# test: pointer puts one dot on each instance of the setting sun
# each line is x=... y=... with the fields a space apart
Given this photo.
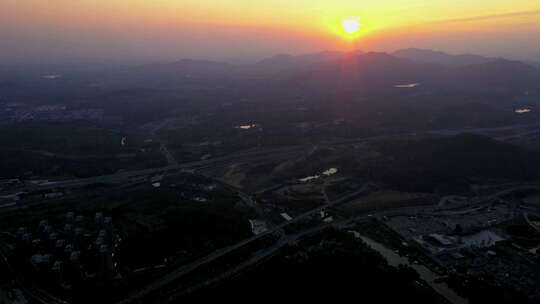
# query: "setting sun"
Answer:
x=351 y=25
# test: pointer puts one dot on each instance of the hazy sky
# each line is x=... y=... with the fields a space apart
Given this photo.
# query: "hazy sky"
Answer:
x=52 y=30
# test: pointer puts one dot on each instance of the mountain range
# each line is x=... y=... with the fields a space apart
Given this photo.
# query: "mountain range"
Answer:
x=356 y=73
x=406 y=69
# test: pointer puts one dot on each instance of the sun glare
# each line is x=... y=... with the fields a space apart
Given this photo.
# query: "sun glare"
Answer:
x=351 y=25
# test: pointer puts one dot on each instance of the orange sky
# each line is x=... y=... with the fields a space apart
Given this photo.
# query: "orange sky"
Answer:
x=236 y=29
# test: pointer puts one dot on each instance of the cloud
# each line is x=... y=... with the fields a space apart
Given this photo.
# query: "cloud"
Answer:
x=491 y=17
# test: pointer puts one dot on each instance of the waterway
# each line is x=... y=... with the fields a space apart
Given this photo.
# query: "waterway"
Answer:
x=425 y=273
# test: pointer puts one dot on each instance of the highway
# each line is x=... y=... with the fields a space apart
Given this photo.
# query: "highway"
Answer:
x=183 y=270
x=188 y=268
x=244 y=156
x=171 y=161
x=124 y=176
x=258 y=257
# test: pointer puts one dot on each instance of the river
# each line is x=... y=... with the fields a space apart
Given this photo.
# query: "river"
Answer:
x=425 y=273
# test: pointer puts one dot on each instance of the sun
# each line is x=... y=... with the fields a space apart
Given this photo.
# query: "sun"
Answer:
x=351 y=25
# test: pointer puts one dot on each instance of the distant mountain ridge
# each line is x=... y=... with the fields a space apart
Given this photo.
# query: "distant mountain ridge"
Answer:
x=381 y=72
x=495 y=75
x=533 y=63
x=445 y=59
x=286 y=63
x=367 y=71
x=356 y=72
x=437 y=57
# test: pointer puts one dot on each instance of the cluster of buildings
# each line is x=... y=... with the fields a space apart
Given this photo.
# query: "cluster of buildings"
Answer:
x=56 y=114
x=453 y=231
x=18 y=112
x=475 y=242
x=72 y=251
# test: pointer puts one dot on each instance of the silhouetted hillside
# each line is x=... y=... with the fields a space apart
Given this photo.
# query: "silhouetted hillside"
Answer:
x=367 y=72
x=380 y=73
x=436 y=57
x=496 y=76
x=428 y=164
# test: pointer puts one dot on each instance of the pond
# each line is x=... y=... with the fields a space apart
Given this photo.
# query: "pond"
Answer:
x=246 y=127
x=407 y=86
x=522 y=110
x=328 y=172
